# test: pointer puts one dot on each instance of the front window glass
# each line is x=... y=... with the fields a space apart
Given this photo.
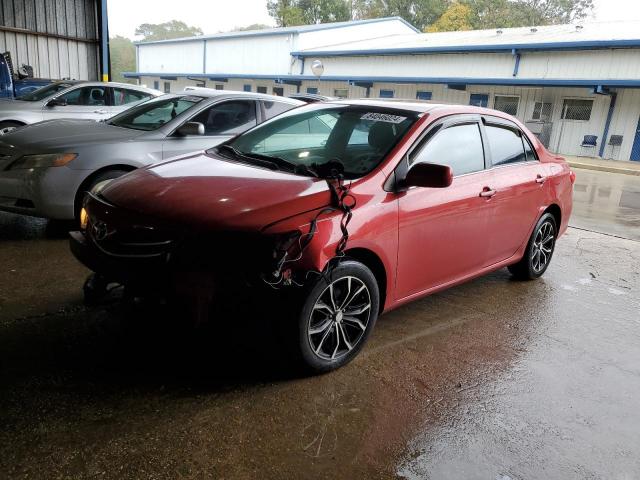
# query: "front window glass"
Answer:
x=228 y=117
x=359 y=138
x=152 y=114
x=44 y=92
x=85 y=96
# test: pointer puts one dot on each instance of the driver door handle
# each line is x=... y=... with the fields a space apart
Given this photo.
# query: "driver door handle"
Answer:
x=540 y=179
x=101 y=111
x=487 y=192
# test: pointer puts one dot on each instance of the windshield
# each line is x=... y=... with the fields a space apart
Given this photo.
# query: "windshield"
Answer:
x=358 y=137
x=153 y=114
x=44 y=92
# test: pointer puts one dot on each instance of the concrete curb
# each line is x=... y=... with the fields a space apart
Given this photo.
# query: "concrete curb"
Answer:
x=605 y=168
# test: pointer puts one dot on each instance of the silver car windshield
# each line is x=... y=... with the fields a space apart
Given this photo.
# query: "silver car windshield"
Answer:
x=44 y=92
x=153 y=114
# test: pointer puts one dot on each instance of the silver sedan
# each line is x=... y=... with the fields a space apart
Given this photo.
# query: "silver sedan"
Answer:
x=72 y=99
x=47 y=168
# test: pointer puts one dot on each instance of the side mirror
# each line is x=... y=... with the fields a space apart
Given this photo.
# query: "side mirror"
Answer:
x=191 y=128
x=429 y=175
x=57 y=102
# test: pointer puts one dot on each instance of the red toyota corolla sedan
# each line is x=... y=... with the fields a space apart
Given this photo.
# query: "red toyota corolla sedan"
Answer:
x=340 y=211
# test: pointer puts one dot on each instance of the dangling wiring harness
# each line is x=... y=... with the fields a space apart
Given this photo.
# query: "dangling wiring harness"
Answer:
x=341 y=200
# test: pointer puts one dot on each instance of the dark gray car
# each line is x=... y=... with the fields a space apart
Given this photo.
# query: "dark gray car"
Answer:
x=46 y=168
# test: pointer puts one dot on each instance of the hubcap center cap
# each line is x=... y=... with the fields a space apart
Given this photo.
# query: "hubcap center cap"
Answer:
x=338 y=316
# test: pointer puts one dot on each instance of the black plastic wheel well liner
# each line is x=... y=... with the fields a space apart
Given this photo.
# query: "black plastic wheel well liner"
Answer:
x=373 y=263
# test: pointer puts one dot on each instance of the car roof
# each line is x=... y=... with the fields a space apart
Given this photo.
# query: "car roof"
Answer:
x=111 y=84
x=212 y=93
x=422 y=106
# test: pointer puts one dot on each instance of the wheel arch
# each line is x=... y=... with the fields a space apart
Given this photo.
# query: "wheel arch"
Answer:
x=11 y=120
x=87 y=181
x=374 y=263
x=554 y=210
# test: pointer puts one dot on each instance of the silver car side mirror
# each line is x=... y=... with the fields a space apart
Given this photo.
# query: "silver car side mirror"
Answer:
x=191 y=128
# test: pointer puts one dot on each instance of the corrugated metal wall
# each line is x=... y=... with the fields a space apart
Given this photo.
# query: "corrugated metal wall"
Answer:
x=58 y=38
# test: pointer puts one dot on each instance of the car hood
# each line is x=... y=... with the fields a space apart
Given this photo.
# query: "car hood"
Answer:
x=61 y=134
x=207 y=192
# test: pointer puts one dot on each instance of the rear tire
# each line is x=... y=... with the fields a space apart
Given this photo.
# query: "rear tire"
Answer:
x=335 y=317
x=7 y=127
x=539 y=251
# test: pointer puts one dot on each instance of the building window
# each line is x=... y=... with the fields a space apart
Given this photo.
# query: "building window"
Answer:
x=386 y=93
x=542 y=111
x=246 y=87
x=156 y=84
x=312 y=90
x=219 y=86
x=261 y=89
x=506 y=104
x=422 y=95
x=341 y=92
x=278 y=91
x=574 y=109
x=479 y=99
x=167 y=87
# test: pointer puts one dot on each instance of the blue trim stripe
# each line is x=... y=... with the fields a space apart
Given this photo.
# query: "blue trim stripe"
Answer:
x=527 y=82
x=281 y=31
x=488 y=48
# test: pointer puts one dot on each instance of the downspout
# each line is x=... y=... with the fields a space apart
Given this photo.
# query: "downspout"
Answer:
x=607 y=123
x=516 y=67
x=105 y=69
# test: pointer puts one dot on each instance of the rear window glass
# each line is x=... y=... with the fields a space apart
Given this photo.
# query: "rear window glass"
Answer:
x=153 y=114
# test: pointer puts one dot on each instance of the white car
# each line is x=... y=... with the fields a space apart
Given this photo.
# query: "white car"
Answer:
x=72 y=99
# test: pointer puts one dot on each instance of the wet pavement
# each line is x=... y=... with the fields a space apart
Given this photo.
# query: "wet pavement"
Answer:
x=494 y=379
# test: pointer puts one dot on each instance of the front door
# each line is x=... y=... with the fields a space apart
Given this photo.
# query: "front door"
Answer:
x=635 y=151
x=442 y=231
x=88 y=102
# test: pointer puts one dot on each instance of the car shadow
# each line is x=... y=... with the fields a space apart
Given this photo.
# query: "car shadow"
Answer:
x=22 y=227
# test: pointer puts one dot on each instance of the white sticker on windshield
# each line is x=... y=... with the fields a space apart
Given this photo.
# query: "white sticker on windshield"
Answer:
x=383 y=117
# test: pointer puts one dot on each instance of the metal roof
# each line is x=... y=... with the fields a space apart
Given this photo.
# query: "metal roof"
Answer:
x=280 y=30
x=552 y=37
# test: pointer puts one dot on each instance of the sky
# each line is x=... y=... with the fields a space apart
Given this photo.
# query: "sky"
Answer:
x=214 y=16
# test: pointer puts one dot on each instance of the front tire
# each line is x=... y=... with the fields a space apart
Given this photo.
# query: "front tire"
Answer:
x=104 y=176
x=337 y=314
x=8 y=127
x=539 y=251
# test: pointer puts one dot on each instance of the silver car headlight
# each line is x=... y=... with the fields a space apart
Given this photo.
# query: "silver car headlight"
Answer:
x=42 y=160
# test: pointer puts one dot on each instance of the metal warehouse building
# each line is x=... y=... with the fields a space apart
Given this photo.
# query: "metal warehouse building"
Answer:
x=576 y=86
x=59 y=38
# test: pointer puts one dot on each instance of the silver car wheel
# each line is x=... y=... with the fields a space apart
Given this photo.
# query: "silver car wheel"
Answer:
x=339 y=318
x=543 y=244
x=7 y=130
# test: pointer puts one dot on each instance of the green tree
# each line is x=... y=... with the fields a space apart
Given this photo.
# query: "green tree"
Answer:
x=420 y=13
x=123 y=58
x=253 y=26
x=286 y=13
x=166 y=31
x=457 y=17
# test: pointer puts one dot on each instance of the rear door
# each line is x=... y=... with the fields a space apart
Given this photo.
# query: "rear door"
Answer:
x=221 y=121
x=88 y=102
x=442 y=231
x=520 y=182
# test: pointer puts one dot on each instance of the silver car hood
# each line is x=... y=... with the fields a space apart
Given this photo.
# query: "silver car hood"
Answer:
x=56 y=135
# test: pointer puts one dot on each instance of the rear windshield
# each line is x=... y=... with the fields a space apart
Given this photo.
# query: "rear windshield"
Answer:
x=153 y=114
x=359 y=137
x=44 y=92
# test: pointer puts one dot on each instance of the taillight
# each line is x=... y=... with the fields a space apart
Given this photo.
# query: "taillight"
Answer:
x=572 y=176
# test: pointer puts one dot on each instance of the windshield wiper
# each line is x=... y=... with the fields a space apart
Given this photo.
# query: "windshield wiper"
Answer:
x=238 y=154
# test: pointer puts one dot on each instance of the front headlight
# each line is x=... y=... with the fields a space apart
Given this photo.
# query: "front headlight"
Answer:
x=84 y=218
x=42 y=160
